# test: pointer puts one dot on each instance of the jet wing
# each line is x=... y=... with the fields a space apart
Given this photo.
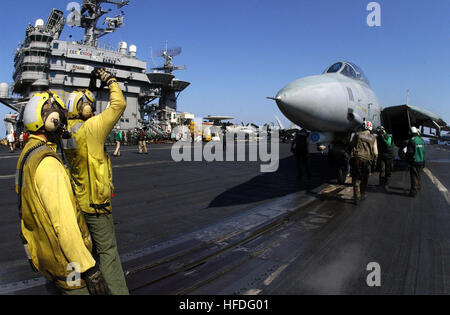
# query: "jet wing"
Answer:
x=398 y=119
x=426 y=118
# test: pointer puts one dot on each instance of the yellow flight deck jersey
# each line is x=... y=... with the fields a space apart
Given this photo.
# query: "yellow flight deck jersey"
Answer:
x=89 y=163
x=52 y=225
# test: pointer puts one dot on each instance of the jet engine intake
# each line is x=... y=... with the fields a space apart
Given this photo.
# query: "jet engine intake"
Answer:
x=354 y=117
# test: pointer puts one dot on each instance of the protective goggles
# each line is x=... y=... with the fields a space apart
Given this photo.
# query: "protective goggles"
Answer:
x=88 y=97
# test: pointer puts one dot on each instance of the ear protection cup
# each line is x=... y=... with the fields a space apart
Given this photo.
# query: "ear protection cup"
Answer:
x=76 y=102
x=86 y=111
x=45 y=111
x=52 y=122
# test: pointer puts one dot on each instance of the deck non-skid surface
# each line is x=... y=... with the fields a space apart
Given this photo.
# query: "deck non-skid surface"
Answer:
x=227 y=228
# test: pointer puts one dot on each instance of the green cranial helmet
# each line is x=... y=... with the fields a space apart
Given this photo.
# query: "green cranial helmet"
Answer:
x=381 y=130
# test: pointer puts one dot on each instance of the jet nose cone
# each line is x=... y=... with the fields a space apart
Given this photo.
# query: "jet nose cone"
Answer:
x=295 y=96
x=310 y=101
x=285 y=99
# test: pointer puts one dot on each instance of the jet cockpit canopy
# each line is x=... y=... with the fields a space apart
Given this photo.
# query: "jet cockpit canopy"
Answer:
x=348 y=69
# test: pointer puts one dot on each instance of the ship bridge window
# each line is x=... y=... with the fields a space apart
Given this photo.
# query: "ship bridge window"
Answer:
x=334 y=68
x=37 y=38
x=35 y=68
x=36 y=53
x=41 y=38
x=55 y=45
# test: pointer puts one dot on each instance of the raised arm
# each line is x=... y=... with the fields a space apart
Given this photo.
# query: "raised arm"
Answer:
x=101 y=125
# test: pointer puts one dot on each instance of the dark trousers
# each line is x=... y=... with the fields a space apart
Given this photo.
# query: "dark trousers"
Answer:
x=386 y=167
x=360 y=171
x=302 y=162
x=415 y=172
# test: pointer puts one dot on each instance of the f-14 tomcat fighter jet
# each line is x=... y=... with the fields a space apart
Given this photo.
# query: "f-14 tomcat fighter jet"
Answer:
x=336 y=103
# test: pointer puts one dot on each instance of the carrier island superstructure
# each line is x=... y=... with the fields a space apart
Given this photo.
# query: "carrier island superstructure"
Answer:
x=45 y=62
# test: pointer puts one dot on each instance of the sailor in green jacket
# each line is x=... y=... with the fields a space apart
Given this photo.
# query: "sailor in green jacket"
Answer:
x=415 y=156
x=118 y=139
x=91 y=172
x=386 y=156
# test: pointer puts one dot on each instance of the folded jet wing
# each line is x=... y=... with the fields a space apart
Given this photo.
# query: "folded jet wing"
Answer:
x=398 y=120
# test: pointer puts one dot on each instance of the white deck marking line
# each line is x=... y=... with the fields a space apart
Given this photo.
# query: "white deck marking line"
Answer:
x=275 y=274
x=114 y=166
x=10 y=157
x=438 y=184
x=7 y=176
x=142 y=164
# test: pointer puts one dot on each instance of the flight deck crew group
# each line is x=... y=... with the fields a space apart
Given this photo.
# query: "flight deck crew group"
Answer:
x=365 y=150
x=66 y=222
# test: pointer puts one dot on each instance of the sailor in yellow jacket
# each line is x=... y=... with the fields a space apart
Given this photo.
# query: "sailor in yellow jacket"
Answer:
x=53 y=230
x=91 y=171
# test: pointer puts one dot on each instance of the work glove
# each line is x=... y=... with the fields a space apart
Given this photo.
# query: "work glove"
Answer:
x=95 y=282
x=103 y=75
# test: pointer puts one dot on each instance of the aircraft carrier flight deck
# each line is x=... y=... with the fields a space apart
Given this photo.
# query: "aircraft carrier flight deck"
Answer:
x=225 y=228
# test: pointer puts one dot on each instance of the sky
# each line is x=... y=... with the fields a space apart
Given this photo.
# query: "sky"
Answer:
x=238 y=52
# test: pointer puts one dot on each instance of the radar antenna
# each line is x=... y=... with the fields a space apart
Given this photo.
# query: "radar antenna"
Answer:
x=168 y=54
